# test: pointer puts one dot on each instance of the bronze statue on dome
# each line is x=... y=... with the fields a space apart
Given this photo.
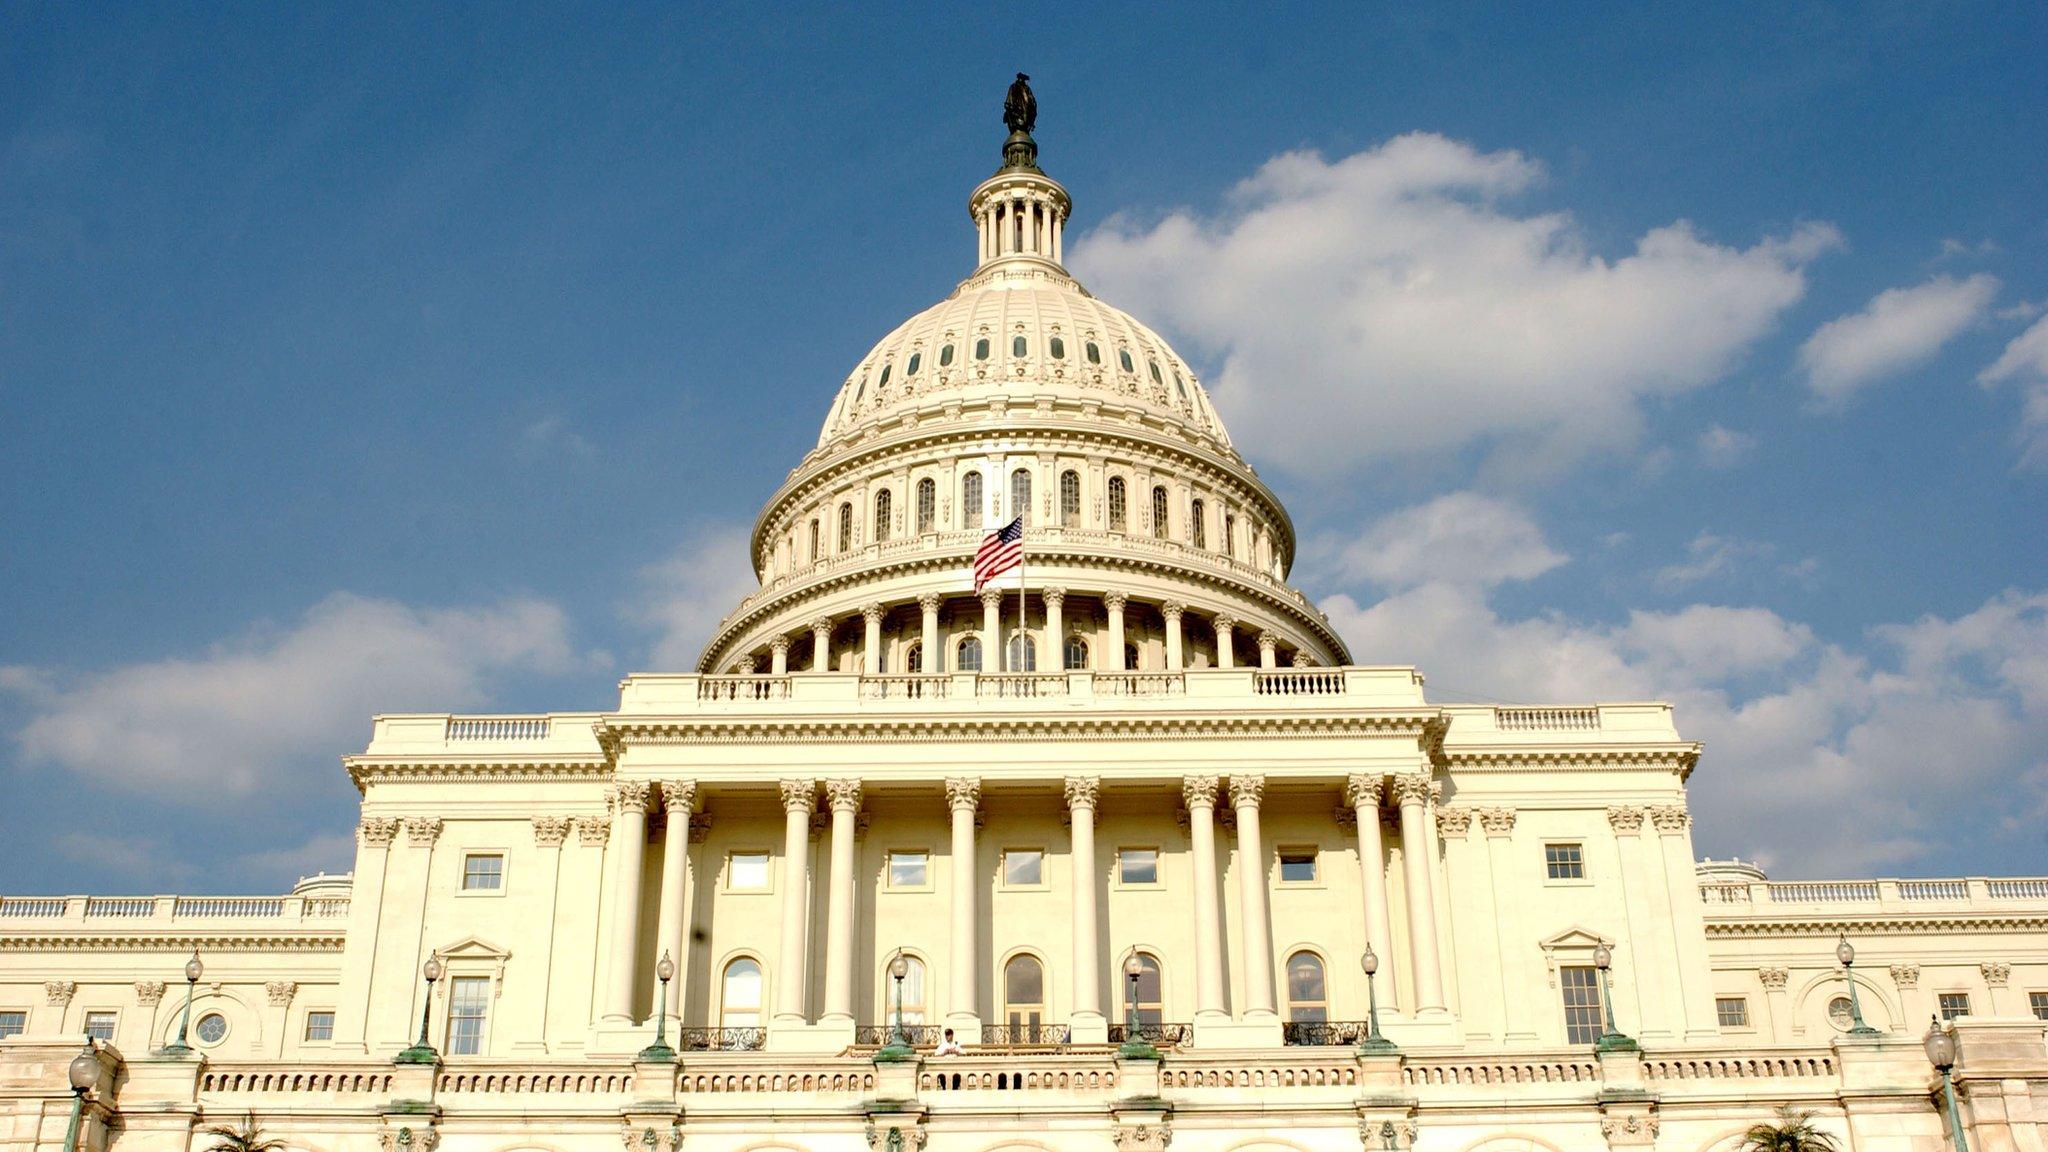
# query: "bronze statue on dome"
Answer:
x=1020 y=107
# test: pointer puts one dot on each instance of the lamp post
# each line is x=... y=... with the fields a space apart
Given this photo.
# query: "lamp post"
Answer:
x=898 y=1048
x=193 y=969
x=1611 y=1040
x=1373 y=1042
x=1941 y=1052
x=423 y=1052
x=1135 y=1046
x=84 y=1073
x=659 y=1051
x=1847 y=956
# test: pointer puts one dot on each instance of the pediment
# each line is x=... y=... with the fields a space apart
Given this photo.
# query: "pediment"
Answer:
x=474 y=948
x=1574 y=937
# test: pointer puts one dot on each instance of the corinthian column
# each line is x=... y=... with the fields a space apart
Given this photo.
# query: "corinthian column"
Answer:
x=1413 y=794
x=629 y=846
x=677 y=797
x=821 y=645
x=992 y=630
x=1258 y=923
x=1082 y=792
x=1200 y=794
x=1226 y=657
x=844 y=796
x=798 y=797
x=1055 y=630
x=934 y=663
x=963 y=793
x=1113 y=604
x=778 y=656
x=871 y=648
x=1172 y=611
x=1362 y=793
x=1269 y=647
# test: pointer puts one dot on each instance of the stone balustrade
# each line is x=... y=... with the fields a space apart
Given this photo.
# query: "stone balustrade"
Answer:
x=1740 y=898
x=188 y=911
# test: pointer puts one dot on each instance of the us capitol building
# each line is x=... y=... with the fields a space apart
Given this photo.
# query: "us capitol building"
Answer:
x=1131 y=845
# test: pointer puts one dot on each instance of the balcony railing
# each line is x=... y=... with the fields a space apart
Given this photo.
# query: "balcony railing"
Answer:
x=1025 y=1035
x=328 y=911
x=1879 y=893
x=1307 y=1033
x=1140 y=684
x=1163 y=1035
x=498 y=727
x=721 y=1039
x=910 y=687
x=1547 y=719
x=1020 y=685
x=915 y=1035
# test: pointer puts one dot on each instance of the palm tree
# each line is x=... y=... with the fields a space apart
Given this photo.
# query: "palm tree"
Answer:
x=248 y=1138
x=1793 y=1132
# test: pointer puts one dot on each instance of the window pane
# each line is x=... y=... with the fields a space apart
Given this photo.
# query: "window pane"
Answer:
x=945 y=355
x=1159 y=513
x=1123 y=357
x=1023 y=981
x=1076 y=654
x=970 y=655
x=1198 y=531
x=1580 y=986
x=1058 y=347
x=1017 y=346
x=1305 y=977
x=468 y=996
x=319 y=1025
x=747 y=870
x=1116 y=503
x=2038 y=1001
x=1023 y=867
x=908 y=869
x=483 y=873
x=1138 y=866
x=1839 y=1013
x=1297 y=867
x=971 y=509
x=1564 y=861
x=1732 y=1011
x=1070 y=498
x=913 y=989
x=1954 y=1004
x=927 y=504
x=13 y=1024
x=100 y=1026
x=845 y=527
x=1023 y=654
x=1094 y=353
x=981 y=349
x=1020 y=494
x=742 y=989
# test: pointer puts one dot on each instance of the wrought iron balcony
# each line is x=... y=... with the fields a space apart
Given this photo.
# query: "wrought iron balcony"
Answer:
x=915 y=1035
x=1025 y=1035
x=721 y=1039
x=1162 y=1035
x=1310 y=1033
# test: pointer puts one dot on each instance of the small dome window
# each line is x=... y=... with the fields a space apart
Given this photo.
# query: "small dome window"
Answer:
x=1058 y=348
x=916 y=359
x=1018 y=346
x=862 y=390
x=981 y=348
x=884 y=381
x=1181 y=387
x=1093 y=352
x=945 y=356
x=1152 y=364
x=1123 y=356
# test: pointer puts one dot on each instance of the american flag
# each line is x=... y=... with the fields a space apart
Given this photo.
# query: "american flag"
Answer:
x=1001 y=550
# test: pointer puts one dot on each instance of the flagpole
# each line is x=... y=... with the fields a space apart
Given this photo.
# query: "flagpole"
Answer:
x=1023 y=638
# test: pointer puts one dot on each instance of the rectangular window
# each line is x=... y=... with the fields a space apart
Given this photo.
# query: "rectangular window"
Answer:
x=468 y=996
x=1137 y=866
x=910 y=869
x=1581 y=988
x=747 y=872
x=1732 y=1011
x=1297 y=866
x=1023 y=868
x=2036 y=1000
x=100 y=1026
x=483 y=872
x=1564 y=861
x=1954 y=1004
x=319 y=1025
x=13 y=1024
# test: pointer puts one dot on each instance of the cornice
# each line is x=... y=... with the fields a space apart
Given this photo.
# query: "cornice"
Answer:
x=538 y=770
x=621 y=732
x=1679 y=758
x=1830 y=926
x=314 y=940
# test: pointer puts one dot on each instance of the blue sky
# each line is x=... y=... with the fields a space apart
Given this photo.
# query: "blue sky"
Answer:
x=416 y=360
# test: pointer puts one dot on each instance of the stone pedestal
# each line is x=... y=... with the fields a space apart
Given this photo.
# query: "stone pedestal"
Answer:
x=1998 y=1073
x=1141 y=1119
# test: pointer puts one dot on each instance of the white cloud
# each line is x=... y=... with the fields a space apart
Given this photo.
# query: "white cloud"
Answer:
x=1724 y=447
x=2025 y=362
x=1461 y=538
x=686 y=595
x=246 y=717
x=1391 y=303
x=1899 y=329
x=1709 y=556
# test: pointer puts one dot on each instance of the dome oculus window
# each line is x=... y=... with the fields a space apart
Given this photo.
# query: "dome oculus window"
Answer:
x=1058 y=348
x=916 y=359
x=981 y=348
x=1123 y=357
x=1093 y=351
x=1018 y=347
x=212 y=1028
x=946 y=356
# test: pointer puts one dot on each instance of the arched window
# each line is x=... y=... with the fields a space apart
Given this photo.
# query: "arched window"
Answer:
x=739 y=1000
x=1094 y=352
x=981 y=348
x=913 y=990
x=1180 y=386
x=1229 y=533
x=1076 y=654
x=913 y=659
x=927 y=504
x=1020 y=494
x=1130 y=657
x=1159 y=512
x=1151 y=1003
x=845 y=527
x=1022 y=655
x=1024 y=997
x=946 y=356
x=1197 y=530
x=1152 y=364
x=1058 y=348
x=814 y=539
x=1123 y=357
x=862 y=390
x=916 y=358
x=968 y=657
x=1308 y=999
x=1118 y=513
x=1018 y=346
x=883 y=511
x=973 y=513
x=884 y=381
x=1070 y=498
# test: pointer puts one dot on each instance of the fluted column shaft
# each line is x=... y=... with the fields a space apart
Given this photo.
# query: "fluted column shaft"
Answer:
x=677 y=797
x=962 y=795
x=629 y=846
x=798 y=798
x=1113 y=605
x=1172 y=612
x=1362 y=793
x=1269 y=650
x=1226 y=656
x=1251 y=873
x=1055 y=629
x=1200 y=794
x=1082 y=793
x=778 y=650
x=934 y=663
x=871 y=647
x=845 y=799
x=821 y=645
x=1413 y=793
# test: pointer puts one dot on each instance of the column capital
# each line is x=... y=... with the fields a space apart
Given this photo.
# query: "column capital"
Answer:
x=1670 y=819
x=678 y=796
x=378 y=831
x=1453 y=821
x=746 y=664
x=1362 y=790
x=990 y=597
x=962 y=792
x=630 y=797
x=1245 y=789
x=1411 y=788
x=422 y=831
x=843 y=795
x=58 y=993
x=930 y=601
x=700 y=827
x=1300 y=659
x=1625 y=819
x=1054 y=597
x=1115 y=601
x=1773 y=978
x=550 y=831
x=821 y=624
x=1497 y=821
x=1082 y=791
x=1997 y=973
x=1225 y=622
x=592 y=832
x=779 y=645
x=1172 y=610
x=280 y=992
x=149 y=993
x=1906 y=975
x=1198 y=791
x=1268 y=642
x=872 y=613
x=799 y=795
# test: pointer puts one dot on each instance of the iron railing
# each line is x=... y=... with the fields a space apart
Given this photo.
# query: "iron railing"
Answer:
x=1314 y=1032
x=1162 y=1035
x=1040 y=1035
x=915 y=1035
x=721 y=1039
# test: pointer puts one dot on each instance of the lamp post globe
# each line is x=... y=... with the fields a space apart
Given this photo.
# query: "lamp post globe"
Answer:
x=1846 y=955
x=659 y=1051
x=1373 y=1042
x=1941 y=1052
x=421 y=1052
x=898 y=1048
x=1135 y=1046
x=83 y=1073
x=1612 y=1039
x=193 y=970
